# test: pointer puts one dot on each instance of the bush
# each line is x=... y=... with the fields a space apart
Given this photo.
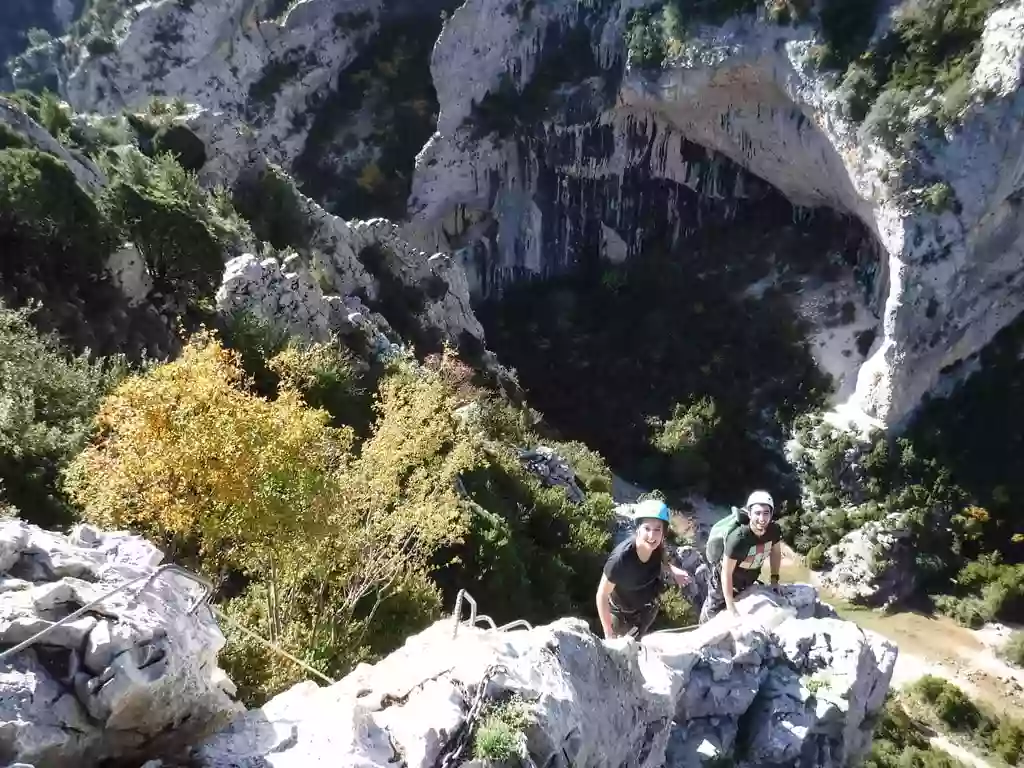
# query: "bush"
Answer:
x=900 y=742
x=49 y=398
x=990 y=732
x=49 y=226
x=267 y=495
x=268 y=201
x=498 y=737
x=182 y=144
x=180 y=230
x=931 y=44
x=685 y=439
x=1013 y=650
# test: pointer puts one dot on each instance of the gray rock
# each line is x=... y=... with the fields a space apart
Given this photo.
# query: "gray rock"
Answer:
x=551 y=469
x=134 y=678
x=942 y=282
x=673 y=699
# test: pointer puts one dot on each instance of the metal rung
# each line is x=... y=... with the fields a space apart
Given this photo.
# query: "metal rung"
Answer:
x=474 y=619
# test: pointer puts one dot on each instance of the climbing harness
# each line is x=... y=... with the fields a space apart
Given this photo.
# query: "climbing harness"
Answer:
x=474 y=619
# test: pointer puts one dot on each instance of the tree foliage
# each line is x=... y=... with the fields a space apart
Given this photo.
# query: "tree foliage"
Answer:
x=326 y=538
x=47 y=402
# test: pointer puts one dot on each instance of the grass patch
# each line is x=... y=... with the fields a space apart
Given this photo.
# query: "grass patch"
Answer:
x=499 y=735
x=900 y=741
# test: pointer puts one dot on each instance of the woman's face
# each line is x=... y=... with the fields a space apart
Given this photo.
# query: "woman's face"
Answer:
x=760 y=516
x=650 y=533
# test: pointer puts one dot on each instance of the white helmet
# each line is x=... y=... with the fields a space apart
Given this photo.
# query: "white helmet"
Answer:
x=760 y=497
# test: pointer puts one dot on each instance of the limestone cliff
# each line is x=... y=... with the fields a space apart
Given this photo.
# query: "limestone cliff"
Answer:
x=546 y=132
x=555 y=146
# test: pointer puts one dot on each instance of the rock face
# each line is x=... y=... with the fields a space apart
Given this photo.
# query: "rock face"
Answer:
x=874 y=564
x=86 y=172
x=134 y=677
x=552 y=469
x=780 y=688
x=934 y=286
x=235 y=57
x=357 y=274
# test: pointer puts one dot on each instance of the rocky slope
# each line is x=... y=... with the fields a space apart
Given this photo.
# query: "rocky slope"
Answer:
x=789 y=685
x=780 y=688
x=332 y=277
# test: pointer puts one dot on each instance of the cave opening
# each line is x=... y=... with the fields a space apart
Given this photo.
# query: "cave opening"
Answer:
x=687 y=362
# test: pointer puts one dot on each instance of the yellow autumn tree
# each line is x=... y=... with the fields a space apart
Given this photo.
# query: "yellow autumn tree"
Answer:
x=331 y=540
x=185 y=454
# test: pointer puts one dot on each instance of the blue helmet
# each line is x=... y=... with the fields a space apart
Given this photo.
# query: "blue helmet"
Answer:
x=651 y=508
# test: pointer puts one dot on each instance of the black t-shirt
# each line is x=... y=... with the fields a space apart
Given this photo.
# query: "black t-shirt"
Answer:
x=749 y=548
x=637 y=583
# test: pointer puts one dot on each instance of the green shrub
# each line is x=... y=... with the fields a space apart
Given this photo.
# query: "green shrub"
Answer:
x=498 y=735
x=267 y=199
x=100 y=46
x=685 y=440
x=901 y=742
x=51 y=226
x=931 y=44
x=1013 y=650
x=181 y=231
x=181 y=143
x=11 y=139
x=989 y=732
x=50 y=398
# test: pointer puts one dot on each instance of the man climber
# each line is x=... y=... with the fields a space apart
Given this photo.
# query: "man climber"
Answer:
x=740 y=542
x=627 y=597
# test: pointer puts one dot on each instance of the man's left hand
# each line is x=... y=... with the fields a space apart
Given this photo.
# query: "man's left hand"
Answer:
x=683 y=578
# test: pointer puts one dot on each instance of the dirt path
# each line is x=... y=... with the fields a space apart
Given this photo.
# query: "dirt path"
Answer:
x=955 y=750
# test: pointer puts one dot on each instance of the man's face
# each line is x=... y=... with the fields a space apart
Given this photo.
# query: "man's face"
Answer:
x=760 y=516
x=650 y=533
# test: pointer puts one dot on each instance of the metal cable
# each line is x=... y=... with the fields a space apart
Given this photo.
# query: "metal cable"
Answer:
x=147 y=581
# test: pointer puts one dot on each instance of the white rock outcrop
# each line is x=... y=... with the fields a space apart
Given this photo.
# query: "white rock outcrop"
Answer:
x=873 y=564
x=231 y=57
x=780 y=687
x=318 y=296
x=940 y=284
x=134 y=677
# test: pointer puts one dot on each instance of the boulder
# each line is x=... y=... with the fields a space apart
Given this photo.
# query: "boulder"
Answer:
x=553 y=470
x=133 y=677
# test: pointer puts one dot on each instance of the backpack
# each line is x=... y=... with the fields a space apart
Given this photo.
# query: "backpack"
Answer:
x=720 y=531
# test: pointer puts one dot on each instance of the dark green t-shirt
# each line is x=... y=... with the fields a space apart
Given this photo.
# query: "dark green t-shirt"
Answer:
x=749 y=548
